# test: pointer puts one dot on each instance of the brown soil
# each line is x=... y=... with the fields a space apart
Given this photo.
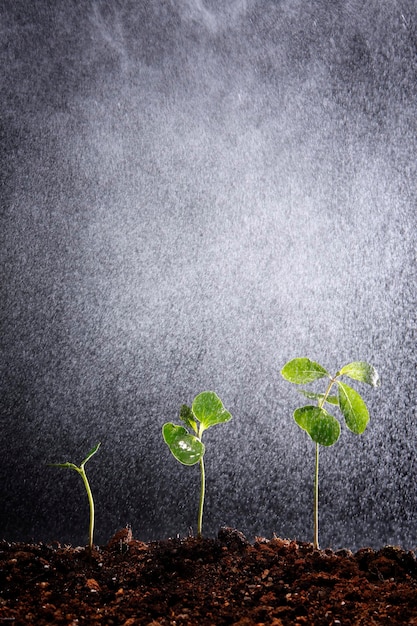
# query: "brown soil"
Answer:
x=202 y=582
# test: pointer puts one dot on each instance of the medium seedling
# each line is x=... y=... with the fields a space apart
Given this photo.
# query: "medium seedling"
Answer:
x=83 y=475
x=206 y=410
x=323 y=428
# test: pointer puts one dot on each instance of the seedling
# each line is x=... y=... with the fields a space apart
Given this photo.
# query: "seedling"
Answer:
x=323 y=428
x=206 y=410
x=83 y=475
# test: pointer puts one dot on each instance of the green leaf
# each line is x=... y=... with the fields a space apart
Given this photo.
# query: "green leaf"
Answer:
x=65 y=465
x=353 y=408
x=362 y=371
x=209 y=410
x=322 y=427
x=319 y=396
x=186 y=448
x=90 y=454
x=301 y=371
x=187 y=416
x=68 y=465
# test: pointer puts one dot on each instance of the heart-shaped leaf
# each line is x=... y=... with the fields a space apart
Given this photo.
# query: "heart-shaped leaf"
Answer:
x=301 y=371
x=186 y=448
x=353 y=408
x=209 y=410
x=319 y=396
x=362 y=371
x=322 y=427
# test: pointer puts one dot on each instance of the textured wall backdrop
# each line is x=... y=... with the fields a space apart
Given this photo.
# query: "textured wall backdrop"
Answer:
x=192 y=193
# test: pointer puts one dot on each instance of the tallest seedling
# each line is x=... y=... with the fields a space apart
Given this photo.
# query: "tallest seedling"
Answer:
x=323 y=428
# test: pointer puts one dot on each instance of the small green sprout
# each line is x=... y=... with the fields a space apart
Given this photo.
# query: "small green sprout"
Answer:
x=323 y=428
x=206 y=410
x=83 y=475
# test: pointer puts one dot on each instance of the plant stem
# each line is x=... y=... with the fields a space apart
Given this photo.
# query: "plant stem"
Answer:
x=316 y=501
x=316 y=475
x=201 y=505
x=329 y=386
x=83 y=475
x=81 y=471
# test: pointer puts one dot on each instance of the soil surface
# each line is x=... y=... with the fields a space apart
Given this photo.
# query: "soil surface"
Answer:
x=202 y=582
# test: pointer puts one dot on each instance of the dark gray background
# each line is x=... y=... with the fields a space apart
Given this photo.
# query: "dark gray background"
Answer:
x=192 y=193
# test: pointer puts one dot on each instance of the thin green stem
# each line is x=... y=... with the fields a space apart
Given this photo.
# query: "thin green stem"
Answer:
x=316 y=474
x=201 y=505
x=81 y=471
x=324 y=398
x=83 y=475
x=316 y=500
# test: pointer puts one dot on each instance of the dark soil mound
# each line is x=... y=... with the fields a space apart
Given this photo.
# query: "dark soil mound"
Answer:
x=202 y=582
